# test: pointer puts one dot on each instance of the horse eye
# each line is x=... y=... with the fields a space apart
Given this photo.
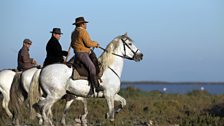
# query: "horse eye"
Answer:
x=130 y=44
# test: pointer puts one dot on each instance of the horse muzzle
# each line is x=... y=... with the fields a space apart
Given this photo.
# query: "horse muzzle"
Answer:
x=138 y=57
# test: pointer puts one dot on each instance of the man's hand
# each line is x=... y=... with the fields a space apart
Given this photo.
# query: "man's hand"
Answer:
x=98 y=45
x=34 y=62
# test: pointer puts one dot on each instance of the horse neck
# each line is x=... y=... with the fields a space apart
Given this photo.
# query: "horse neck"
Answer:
x=115 y=63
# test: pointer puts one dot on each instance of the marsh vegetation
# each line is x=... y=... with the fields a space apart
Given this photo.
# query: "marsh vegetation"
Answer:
x=197 y=108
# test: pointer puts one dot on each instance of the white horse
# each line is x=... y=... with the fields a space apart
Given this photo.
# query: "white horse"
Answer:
x=55 y=79
x=35 y=95
x=6 y=79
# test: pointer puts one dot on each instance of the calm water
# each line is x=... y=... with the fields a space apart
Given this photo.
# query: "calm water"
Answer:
x=179 y=88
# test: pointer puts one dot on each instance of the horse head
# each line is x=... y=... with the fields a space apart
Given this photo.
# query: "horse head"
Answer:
x=130 y=51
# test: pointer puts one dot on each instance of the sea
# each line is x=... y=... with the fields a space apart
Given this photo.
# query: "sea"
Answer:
x=174 y=88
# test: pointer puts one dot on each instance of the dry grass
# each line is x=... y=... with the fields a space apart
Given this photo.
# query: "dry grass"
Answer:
x=195 y=108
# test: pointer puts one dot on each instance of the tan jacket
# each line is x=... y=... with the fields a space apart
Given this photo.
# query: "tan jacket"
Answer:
x=80 y=40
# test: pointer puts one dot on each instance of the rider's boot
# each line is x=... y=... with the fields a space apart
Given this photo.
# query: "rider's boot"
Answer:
x=97 y=86
x=91 y=91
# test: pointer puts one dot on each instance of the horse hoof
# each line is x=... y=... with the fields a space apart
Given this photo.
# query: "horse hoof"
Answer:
x=118 y=110
x=40 y=122
x=10 y=116
x=84 y=124
x=63 y=122
x=106 y=116
x=77 y=120
x=84 y=121
x=77 y=124
x=112 y=120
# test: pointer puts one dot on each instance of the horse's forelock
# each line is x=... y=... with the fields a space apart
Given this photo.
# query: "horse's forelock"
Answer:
x=127 y=38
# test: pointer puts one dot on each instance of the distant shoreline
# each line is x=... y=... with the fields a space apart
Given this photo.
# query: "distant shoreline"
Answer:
x=164 y=82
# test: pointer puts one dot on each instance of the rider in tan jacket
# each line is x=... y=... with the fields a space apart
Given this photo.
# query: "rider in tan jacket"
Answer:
x=81 y=43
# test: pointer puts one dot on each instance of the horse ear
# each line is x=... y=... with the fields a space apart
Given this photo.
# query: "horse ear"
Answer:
x=125 y=34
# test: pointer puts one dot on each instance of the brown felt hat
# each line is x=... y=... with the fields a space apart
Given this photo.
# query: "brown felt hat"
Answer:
x=79 y=20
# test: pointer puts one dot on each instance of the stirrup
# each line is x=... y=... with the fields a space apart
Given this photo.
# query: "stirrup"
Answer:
x=91 y=92
x=99 y=88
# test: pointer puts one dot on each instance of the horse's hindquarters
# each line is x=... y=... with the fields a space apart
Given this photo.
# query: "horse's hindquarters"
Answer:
x=53 y=79
x=6 y=78
x=27 y=77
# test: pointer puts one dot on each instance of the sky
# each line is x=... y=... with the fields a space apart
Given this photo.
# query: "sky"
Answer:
x=182 y=40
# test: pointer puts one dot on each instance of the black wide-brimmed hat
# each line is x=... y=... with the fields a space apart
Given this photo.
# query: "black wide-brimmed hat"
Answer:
x=56 y=31
x=79 y=20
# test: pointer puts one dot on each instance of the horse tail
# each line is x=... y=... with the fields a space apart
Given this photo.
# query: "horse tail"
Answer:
x=16 y=96
x=34 y=92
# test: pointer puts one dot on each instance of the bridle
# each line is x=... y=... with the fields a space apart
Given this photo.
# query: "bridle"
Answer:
x=125 y=55
x=122 y=56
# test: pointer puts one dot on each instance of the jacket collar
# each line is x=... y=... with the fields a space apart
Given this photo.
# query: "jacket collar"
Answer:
x=26 y=48
x=80 y=28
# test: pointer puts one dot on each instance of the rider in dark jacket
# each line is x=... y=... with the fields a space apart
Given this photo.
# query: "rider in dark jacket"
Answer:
x=54 y=50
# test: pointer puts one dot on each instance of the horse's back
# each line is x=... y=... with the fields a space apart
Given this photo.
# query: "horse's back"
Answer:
x=56 y=69
x=6 y=73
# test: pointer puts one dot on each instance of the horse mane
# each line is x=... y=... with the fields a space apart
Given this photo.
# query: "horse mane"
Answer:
x=106 y=58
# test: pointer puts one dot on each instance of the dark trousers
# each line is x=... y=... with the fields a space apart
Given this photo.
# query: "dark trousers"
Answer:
x=85 y=59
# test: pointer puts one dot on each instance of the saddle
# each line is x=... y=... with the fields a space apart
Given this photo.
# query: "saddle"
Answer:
x=81 y=72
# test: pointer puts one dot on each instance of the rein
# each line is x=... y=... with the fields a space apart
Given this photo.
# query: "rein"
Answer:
x=114 y=72
x=110 y=67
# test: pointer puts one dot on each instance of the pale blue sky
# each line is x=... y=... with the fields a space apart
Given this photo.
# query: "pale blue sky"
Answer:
x=182 y=40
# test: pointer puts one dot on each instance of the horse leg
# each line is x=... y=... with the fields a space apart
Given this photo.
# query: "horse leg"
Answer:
x=39 y=116
x=38 y=109
x=110 y=103
x=15 y=120
x=5 y=103
x=121 y=100
x=69 y=101
x=49 y=111
x=83 y=117
x=67 y=106
x=46 y=104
